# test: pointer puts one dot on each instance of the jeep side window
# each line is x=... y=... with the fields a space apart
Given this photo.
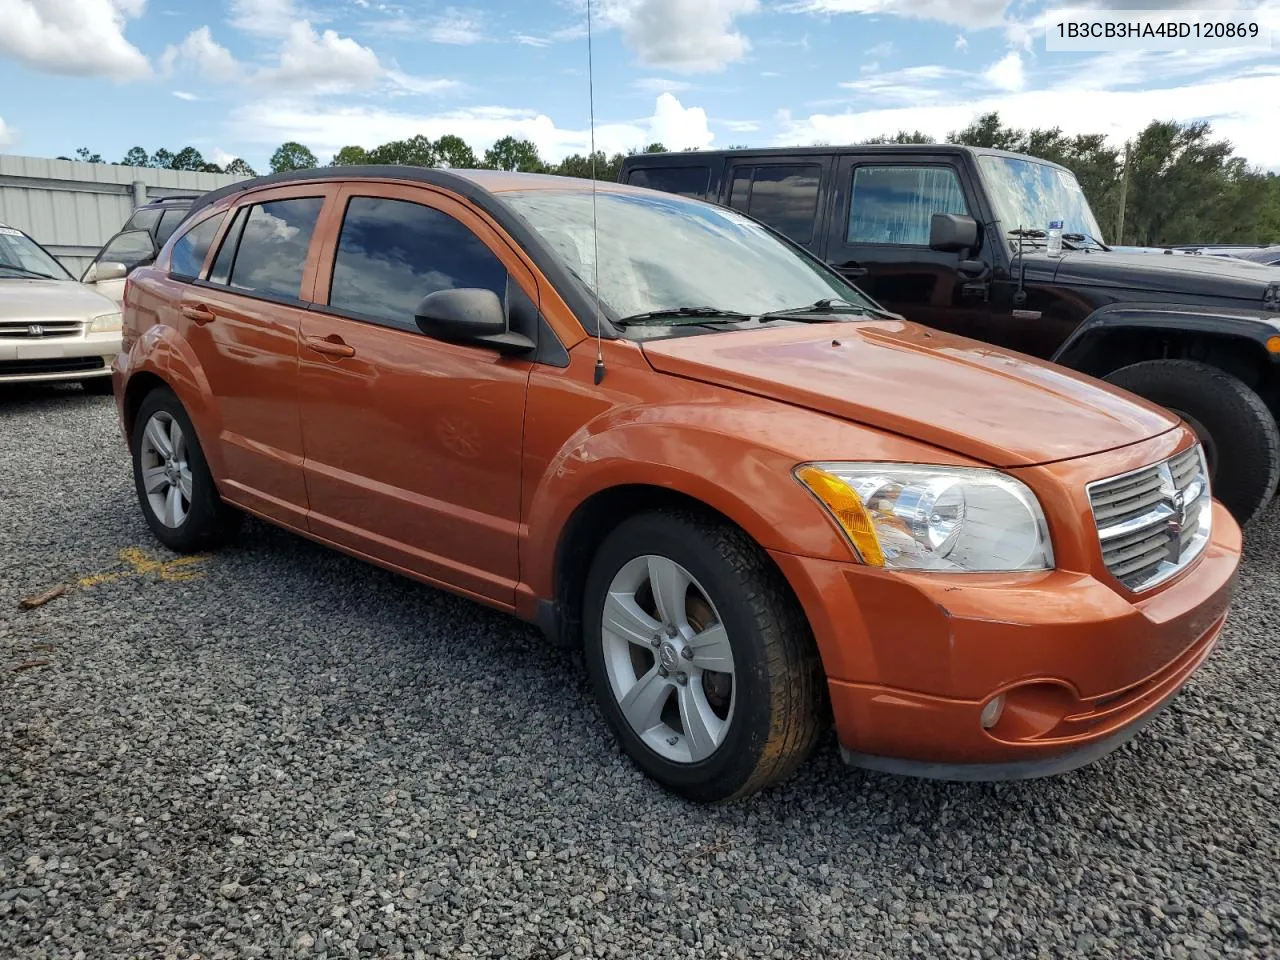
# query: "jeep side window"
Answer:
x=169 y=223
x=786 y=198
x=686 y=181
x=143 y=219
x=895 y=204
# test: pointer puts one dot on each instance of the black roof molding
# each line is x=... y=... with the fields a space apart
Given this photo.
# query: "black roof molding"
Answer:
x=468 y=184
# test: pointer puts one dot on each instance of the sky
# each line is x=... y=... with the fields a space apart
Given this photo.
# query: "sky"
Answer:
x=235 y=78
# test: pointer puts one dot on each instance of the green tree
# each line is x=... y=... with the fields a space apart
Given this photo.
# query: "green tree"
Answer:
x=136 y=157
x=512 y=154
x=189 y=158
x=654 y=148
x=292 y=155
x=162 y=159
x=417 y=151
x=903 y=136
x=239 y=168
x=84 y=156
x=351 y=156
x=455 y=152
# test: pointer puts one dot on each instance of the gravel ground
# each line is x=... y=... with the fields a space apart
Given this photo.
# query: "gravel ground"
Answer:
x=278 y=751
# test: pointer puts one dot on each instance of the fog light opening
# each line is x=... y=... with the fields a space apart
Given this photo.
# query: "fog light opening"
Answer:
x=992 y=712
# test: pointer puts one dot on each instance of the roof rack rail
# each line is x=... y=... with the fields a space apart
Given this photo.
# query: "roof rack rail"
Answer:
x=174 y=196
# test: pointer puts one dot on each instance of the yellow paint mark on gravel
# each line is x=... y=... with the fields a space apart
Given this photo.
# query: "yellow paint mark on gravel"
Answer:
x=141 y=564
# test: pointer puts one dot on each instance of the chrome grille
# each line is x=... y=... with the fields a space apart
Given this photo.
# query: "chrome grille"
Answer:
x=38 y=329
x=1154 y=521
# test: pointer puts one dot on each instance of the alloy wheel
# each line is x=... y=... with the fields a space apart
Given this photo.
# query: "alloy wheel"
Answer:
x=166 y=474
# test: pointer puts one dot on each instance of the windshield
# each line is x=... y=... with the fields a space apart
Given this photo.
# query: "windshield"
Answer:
x=661 y=252
x=1028 y=195
x=20 y=256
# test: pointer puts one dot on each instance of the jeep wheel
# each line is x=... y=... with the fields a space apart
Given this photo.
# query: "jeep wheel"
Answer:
x=700 y=657
x=1237 y=430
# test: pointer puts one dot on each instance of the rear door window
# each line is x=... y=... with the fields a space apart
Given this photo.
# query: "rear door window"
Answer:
x=169 y=221
x=784 y=197
x=895 y=204
x=688 y=181
x=273 y=248
x=392 y=253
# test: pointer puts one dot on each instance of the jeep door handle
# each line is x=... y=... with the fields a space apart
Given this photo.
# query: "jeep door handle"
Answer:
x=331 y=346
x=200 y=314
x=852 y=269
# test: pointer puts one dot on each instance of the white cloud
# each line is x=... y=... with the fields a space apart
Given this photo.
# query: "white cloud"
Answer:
x=183 y=95
x=6 y=134
x=456 y=26
x=908 y=85
x=269 y=123
x=1241 y=109
x=973 y=15
x=1007 y=73
x=324 y=62
x=77 y=37
x=203 y=54
x=880 y=50
x=657 y=85
x=742 y=126
x=266 y=18
x=687 y=36
x=962 y=42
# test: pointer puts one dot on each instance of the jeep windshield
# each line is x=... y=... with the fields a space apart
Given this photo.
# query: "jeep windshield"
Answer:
x=682 y=262
x=1027 y=195
x=22 y=258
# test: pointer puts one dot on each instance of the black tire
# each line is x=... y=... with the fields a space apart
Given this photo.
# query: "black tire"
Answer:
x=209 y=521
x=780 y=699
x=1238 y=431
x=97 y=386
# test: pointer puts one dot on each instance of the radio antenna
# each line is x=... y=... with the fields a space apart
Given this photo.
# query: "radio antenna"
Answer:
x=595 y=216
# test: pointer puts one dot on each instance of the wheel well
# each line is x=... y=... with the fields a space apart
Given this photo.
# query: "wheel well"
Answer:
x=140 y=384
x=1245 y=360
x=586 y=529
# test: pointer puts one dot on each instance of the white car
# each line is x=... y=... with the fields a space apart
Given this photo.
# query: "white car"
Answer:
x=52 y=327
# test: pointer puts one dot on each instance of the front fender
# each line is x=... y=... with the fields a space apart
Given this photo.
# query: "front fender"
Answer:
x=161 y=352
x=1253 y=326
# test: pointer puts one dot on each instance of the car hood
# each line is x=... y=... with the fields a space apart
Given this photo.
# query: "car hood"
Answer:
x=1002 y=408
x=37 y=300
x=1197 y=276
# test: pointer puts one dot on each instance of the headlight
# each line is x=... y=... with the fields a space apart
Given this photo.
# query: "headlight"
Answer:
x=107 y=323
x=907 y=517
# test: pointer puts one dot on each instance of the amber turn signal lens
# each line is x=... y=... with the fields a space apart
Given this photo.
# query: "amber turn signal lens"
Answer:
x=1273 y=344
x=844 y=504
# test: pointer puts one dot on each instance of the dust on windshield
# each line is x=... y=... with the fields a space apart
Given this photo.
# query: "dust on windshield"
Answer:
x=662 y=252
x=1029 y=195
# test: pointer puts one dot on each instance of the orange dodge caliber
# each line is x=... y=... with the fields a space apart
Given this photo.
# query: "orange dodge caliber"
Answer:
x=665 y=434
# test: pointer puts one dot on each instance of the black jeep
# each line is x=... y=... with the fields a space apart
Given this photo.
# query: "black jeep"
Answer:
x=955 y=237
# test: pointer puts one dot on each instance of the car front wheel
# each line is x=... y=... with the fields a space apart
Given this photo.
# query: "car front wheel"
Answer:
x=700 y=657
x=1235 y=427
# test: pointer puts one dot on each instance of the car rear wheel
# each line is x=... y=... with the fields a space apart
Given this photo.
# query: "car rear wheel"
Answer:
x=1238 y=432
x=700 y=657
x=172 y=478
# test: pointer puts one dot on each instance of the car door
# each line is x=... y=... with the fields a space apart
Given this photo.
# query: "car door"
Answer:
x=241 y=319
x=878 y=237
x=783 y=195
x=413 y=445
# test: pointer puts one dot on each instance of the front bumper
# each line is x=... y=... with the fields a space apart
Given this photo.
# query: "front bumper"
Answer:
x=40 y=360
x=912 y=659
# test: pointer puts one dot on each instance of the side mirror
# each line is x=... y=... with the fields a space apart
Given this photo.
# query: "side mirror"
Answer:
x=109 y=270
x=951 y=232
x=469 y=315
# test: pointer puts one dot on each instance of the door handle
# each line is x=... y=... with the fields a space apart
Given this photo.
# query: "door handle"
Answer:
x=331 y=346
x=200 y=314
x=852 y=269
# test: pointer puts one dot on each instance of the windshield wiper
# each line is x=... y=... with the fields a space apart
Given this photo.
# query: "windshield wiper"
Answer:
x=29 y=273
x=829 y=306
x=1023 y=233
x=694 y=314
x=1085 y=238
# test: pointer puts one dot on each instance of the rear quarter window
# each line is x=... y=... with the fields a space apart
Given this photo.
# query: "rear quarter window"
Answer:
x=690 y=181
